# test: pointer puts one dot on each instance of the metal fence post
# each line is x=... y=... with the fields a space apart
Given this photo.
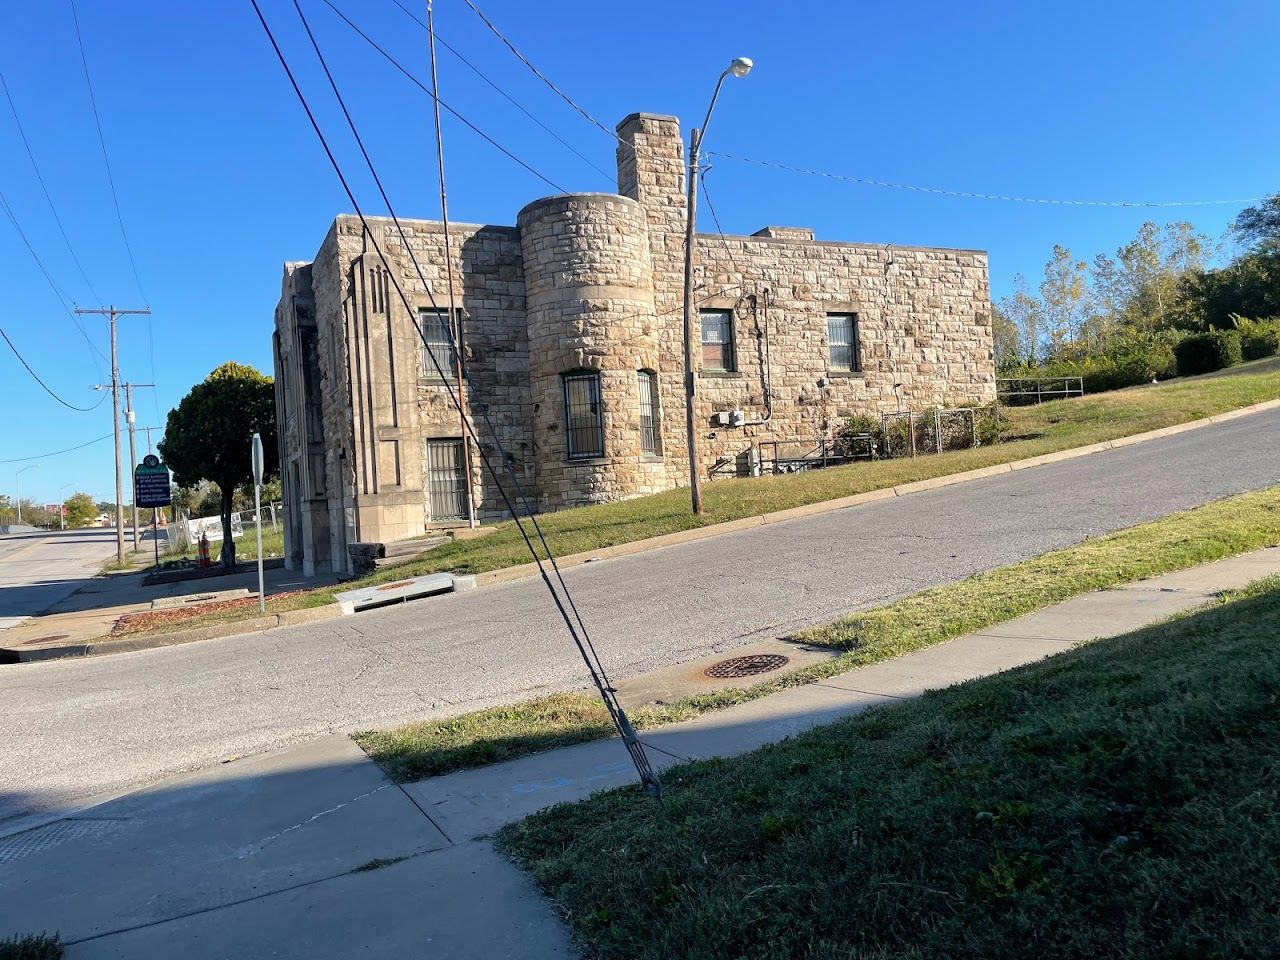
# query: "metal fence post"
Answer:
x=937 y=427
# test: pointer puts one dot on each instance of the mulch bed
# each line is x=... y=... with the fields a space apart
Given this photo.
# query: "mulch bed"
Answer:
x=147 y=622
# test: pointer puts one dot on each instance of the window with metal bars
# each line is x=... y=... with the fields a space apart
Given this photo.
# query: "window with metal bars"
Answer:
x=650 y=441
x=437 y=343
x=842 y=340
x=717 y=341
x=584 y=415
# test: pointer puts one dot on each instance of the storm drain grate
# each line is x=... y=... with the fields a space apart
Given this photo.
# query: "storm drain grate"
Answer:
x=51 y=835
x=747 y=666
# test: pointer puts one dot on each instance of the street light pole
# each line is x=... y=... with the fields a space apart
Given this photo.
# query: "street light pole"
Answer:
x=17 y=491
x=62 y=506
x=740 y=67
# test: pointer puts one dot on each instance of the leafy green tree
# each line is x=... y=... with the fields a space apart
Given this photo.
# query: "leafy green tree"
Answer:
x=207 y=436
x=80 y=510
x=1024 y=311
x=1006 y=340
x=1065 y=295
x=1260 y=226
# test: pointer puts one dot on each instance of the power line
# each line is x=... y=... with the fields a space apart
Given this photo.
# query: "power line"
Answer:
x=58 y=452
x=538 y=73
x=579 y=635
x=516 y=103
x=47 y=389
x=106 y=160
x=13 y=108
x=971 y=195
x=427 y=90
x=53 y=284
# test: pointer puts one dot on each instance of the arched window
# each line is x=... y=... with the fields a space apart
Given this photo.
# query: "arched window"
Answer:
x=583 y=415
x=650 y=430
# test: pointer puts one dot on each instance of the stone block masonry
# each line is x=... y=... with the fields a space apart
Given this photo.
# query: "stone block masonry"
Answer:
x=572 y=342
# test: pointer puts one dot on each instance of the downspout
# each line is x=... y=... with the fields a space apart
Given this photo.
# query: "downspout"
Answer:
x=766 y=371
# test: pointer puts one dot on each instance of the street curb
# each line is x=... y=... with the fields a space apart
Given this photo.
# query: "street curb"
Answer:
x=102 y=646
x=526 y=570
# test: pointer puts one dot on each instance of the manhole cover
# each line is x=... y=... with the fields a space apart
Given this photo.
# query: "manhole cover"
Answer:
x=747 y=666
x=49 y=639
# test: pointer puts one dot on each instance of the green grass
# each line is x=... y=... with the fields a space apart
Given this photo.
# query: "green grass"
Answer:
x=246 y=545
x=1226 y=527
x=30 y=947
x=1116 y=801
x=1029 y=432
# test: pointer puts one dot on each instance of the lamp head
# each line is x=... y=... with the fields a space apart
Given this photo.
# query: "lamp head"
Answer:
x=741 y=66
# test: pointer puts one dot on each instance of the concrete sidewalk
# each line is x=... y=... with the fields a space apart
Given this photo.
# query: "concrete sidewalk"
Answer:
x=311 y=852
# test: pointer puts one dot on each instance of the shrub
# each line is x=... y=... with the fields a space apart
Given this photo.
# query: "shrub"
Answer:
x=1258 y=338
x=1206 y=352
x=855 y=426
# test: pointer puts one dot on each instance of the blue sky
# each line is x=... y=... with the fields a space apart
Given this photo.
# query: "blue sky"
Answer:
x=220 y=179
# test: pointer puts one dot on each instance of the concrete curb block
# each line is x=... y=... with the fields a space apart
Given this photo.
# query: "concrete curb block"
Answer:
x=526 y=570
x=99 y=647
x=509 y=574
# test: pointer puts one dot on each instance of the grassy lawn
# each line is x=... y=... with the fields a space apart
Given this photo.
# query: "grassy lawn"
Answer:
x=1029 y=432
x=246 y=545
x=1118 y=800
x=1181 y=540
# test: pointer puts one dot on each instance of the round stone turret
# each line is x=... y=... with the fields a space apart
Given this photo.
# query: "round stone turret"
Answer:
x=590 y=310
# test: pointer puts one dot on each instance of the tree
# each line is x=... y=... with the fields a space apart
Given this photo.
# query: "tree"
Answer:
x=1260 y=225
x=1006 y=340
x=207 y=436
x=80 y=510
x=1064 y=293
x=1025 y=312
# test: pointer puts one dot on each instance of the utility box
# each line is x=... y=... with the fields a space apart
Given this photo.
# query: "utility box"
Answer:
x=720 y=419
x=737 y=418
x=748 y=462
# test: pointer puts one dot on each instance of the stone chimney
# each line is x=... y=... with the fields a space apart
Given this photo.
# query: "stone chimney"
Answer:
x=651 y=171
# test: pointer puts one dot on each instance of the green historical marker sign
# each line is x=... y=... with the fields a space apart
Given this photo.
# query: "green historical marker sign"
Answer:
x=151 y=483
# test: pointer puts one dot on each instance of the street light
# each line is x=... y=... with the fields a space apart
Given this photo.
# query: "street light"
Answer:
x=739 y=67
x=17 y=492
x=62 y=506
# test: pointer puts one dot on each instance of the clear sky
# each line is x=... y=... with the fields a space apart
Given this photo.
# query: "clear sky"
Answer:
x=220 y=179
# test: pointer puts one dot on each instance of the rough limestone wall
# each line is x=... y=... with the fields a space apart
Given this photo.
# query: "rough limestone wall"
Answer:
x=489 y=288
x=589 y=304
x=651 y=169
x=927 y=329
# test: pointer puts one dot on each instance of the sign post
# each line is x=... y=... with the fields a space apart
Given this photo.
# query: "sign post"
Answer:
x=151 y=488
x=257 y=514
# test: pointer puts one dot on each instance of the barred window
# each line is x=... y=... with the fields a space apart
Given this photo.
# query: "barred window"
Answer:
x=717 y=341
x=437 y=343
x=584 y=416
x=842 y=337
x=649 y=433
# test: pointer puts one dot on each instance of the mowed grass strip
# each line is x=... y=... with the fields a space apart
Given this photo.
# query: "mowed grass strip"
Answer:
x=1118 y=800
x=1181 y=540
x=1030 y=432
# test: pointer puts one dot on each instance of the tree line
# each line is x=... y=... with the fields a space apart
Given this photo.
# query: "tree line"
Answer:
x=1126 y=311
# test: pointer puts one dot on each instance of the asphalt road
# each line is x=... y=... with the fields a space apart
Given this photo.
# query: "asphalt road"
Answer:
x=78 y=728
x=39 y=569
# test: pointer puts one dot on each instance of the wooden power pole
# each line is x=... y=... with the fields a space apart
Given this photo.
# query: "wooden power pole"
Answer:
x=111 y=313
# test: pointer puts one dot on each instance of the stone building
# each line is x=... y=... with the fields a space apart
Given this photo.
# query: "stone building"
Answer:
x=571 y=328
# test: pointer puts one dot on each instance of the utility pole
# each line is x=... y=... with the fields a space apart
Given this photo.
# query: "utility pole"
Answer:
x=111 y=313
x=739 y=67
x=133 y=450
x=455 y=318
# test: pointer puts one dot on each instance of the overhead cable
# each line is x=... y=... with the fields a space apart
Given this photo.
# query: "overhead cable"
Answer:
x=971 y=195
x=514 y=102
x=60 y=452
x=47 y=389
x=579 y=635
x=427 y=90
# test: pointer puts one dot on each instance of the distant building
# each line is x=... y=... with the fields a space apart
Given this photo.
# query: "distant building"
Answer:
x=572 y=342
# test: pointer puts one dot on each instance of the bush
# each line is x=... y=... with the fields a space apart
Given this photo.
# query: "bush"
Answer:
x=1206 y=352
x=1129 y=358
x=1258 y=338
